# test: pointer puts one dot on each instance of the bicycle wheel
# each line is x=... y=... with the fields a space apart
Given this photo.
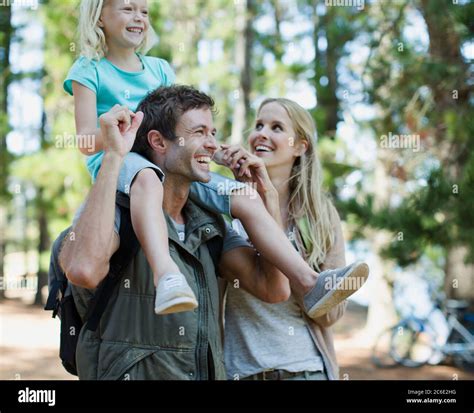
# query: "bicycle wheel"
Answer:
x=412 y=345
x=381 y=350
x=462 y=352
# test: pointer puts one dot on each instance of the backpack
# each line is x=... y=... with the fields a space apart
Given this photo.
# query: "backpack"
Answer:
x=60 y=298
x=61 y=301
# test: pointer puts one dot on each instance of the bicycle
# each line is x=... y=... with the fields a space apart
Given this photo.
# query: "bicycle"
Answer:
x=414 y=341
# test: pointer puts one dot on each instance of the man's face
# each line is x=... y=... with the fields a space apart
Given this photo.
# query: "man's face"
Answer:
x=190 y=154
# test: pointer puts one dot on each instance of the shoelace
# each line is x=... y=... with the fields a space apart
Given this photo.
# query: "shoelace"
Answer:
x=172 y=282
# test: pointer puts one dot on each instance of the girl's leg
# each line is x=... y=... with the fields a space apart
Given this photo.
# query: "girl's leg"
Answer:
x=149 y=223
x=140 y=179
x=173 y=293
x=227 y=196
x=270 y=240
x=318 y=293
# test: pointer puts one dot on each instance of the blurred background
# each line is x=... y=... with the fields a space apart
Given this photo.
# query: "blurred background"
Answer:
x=390 y=86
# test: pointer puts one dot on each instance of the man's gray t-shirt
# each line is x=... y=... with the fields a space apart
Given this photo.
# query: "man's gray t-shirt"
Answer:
x=232 y=239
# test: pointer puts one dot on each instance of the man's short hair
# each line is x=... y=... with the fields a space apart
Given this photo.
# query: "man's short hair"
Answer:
x=162 y=109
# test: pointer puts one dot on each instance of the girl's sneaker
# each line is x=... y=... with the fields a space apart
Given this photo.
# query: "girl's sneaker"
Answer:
x=174 y=295
x=333 y=287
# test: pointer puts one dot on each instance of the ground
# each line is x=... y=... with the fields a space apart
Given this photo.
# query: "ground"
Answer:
x=29 y=340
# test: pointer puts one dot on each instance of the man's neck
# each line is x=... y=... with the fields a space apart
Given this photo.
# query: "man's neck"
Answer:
x=175 y=195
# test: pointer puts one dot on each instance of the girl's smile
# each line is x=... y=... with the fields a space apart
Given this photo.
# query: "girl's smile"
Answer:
x=125 y=22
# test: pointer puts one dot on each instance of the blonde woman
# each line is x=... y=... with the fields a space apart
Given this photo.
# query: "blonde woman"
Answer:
x=279 y=341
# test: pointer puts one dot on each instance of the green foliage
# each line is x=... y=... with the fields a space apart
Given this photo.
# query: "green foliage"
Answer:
x=409 y=89
x=61 y=176
x=425 y=93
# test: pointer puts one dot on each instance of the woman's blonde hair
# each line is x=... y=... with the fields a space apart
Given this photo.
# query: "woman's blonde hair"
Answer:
x=92 y=37
x=310 y=208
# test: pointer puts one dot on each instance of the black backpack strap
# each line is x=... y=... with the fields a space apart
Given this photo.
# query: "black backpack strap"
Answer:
x=119 y=261
x=57 y=281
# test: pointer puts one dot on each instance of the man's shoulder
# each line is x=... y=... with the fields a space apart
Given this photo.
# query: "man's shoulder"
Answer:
x=198 y=213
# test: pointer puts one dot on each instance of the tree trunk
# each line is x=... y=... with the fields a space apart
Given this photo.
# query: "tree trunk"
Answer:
x=243 y=52
x=42 y=214
x=381 y=312
x=330 y=100
x=43 y=244
x=445 y=49
x=459 y=277
x=187 y=34
x=325 y=65
x=5 y=40
x=278 y=48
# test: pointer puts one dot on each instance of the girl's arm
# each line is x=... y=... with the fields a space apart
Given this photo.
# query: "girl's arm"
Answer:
x=85 y=113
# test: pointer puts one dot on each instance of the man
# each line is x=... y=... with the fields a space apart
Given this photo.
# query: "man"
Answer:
x=131 y=341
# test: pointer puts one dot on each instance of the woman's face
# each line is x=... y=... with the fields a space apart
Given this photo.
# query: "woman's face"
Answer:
x=125 y=22
x=273 y=137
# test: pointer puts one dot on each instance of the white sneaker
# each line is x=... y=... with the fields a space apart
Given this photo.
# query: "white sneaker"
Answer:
x=174 y=295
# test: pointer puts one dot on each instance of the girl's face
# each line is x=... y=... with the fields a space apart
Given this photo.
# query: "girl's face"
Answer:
x=273 y=138
x=125 y=22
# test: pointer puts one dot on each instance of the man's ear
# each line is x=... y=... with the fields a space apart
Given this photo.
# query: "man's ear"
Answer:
x=157 y=142
x=100 y=23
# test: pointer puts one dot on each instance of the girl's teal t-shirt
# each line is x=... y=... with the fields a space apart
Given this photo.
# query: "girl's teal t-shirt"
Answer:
x=113 y=85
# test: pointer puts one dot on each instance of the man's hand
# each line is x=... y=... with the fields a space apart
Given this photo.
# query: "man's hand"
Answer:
x=119 y=127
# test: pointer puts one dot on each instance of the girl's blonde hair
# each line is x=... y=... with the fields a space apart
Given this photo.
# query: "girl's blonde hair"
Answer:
x=310 y=209
x=92 y=37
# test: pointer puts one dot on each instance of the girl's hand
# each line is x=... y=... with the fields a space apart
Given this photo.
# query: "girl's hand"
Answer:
x=119 y=127
x=221 y=157
x=246 y=167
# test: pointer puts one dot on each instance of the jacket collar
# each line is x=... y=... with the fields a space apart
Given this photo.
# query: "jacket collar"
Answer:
x=201 y=225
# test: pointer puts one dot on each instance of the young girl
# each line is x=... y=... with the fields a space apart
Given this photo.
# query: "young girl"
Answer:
x=112 y=71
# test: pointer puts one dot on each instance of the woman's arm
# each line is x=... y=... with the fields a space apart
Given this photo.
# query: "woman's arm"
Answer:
x=85 y=112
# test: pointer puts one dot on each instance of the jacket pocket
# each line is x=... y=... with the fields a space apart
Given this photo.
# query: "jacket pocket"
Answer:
x=137 y=363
